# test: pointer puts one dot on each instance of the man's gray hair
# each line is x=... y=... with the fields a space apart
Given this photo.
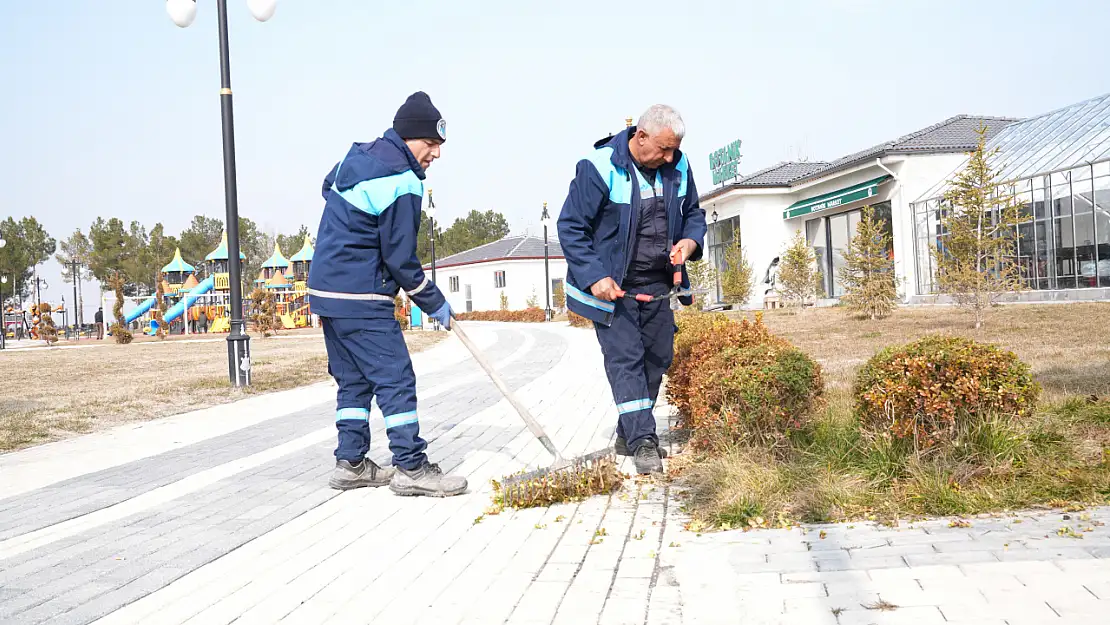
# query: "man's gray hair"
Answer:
x=661 y=116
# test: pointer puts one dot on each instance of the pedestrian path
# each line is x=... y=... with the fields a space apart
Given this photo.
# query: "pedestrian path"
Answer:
x=224 y=516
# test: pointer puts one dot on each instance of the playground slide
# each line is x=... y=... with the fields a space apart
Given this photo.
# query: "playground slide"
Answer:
x=179 y=308
x=140 y=311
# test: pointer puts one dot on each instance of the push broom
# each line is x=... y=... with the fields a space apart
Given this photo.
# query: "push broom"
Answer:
x=592 y=474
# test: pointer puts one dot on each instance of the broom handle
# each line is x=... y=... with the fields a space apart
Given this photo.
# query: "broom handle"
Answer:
x=501 y=386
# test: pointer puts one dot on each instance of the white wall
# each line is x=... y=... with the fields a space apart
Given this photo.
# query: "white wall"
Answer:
x=765 y=234
x=522 y=278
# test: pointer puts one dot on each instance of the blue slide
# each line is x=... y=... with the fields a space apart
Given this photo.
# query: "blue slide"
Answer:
x=140 y=311
x=190 y=298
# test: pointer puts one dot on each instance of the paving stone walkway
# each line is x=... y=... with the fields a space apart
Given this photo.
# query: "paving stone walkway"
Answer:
x=224 y=516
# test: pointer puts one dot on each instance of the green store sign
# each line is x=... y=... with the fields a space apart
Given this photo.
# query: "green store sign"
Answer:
x=724 y=162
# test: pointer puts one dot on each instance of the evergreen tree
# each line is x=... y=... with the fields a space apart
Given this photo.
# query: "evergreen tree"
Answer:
x=868 y=275
x=738 y=279
x=702 y=276
x=976 y=258
x=798 y=273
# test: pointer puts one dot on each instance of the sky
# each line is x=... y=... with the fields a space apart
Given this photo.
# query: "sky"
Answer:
x=111 y=110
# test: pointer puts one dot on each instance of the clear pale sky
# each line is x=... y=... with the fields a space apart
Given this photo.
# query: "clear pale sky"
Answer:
x=109 y=109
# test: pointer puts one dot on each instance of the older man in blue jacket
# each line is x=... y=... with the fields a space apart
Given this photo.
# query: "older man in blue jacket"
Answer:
x=366 y=253
x=631 y=217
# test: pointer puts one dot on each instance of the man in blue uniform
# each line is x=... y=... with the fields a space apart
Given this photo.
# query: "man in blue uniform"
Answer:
x=366 y=253
x=631 y=217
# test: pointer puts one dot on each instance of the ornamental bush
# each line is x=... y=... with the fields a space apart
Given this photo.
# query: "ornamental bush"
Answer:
x=578 y=321
x=933 y=388
x=738 y=382
x=528 y=315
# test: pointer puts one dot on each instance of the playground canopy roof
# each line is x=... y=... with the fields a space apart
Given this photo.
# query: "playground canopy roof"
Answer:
x=276 y=260
x=177 y=264
x=220 y=253
x=305 y=255
x=277 y=282
x=190 y=283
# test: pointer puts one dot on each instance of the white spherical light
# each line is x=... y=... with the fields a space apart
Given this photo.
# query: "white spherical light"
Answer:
x=182 y=12
x=262 y=10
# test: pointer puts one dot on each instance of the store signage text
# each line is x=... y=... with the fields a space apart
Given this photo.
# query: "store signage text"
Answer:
x=724 y=162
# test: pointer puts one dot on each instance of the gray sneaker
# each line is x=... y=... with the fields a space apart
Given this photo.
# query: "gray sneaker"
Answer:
x=347 y=476
x=648 y=458
x=428 y=479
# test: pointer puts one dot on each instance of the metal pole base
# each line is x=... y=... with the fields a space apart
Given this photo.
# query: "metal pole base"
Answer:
x=239 y=355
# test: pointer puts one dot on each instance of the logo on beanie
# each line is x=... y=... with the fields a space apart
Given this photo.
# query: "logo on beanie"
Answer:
x=441 y=128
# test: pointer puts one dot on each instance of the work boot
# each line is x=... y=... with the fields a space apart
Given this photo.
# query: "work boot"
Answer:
x=347 y=476
x=621 y=447
x=427 y=479
x=648 y=458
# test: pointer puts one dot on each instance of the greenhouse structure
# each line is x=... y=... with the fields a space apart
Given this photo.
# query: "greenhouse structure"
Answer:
x=1057 y=167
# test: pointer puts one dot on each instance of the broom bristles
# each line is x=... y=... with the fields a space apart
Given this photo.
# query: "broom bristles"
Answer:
x=592 y=474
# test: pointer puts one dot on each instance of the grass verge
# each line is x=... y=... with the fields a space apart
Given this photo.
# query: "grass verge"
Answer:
x=49 y=394
x=834 y=470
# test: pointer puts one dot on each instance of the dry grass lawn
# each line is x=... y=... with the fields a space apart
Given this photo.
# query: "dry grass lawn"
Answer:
x=48 y=394
x=1068 y=346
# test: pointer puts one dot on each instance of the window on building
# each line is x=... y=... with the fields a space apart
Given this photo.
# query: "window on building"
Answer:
x=499 y=279
x=829 y=236
x=454 y=284
x=721 y=235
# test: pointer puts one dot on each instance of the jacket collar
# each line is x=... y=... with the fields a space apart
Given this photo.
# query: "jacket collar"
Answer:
x=622 y=156
x=394 y=139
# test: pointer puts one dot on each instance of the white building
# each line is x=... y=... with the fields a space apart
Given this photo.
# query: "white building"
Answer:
x=823 y=201
x=475 y=279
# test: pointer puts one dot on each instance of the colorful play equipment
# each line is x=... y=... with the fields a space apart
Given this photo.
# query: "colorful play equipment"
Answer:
x=193 y=293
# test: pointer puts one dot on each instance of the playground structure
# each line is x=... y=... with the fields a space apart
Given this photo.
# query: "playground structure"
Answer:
x=203 y=303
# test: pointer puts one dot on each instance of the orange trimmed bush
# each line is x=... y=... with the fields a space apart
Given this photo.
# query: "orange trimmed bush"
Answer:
x=528 y=315
x=578 y=321
x=739 y=382
x=931 y=388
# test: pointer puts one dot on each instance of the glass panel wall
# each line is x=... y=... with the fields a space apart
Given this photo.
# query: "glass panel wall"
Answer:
x=1063 y=240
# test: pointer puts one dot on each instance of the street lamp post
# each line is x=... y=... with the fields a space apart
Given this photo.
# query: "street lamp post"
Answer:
x=182 y=12
x=3 y=312
x=545 y=219
x=73 y=269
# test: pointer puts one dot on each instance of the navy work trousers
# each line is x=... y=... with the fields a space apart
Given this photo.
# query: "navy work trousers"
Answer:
x=369 y=360
x=638 y=348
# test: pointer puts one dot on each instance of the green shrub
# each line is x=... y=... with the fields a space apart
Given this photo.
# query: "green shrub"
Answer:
x=737 y=382
x=938 y=387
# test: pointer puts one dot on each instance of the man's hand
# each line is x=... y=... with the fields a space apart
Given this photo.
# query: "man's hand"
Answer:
x=682 y=251
x=606 y=289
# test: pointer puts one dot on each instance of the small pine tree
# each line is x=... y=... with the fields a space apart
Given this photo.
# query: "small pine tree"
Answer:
x=265 y=318
x=504 y=301
x=738 y=280
x=160 y=311
x=533 y=301
x=976 y=259
x=702 y=275
x=119 y=330
x=798 y=273
x=870 y=285
x=559 y=296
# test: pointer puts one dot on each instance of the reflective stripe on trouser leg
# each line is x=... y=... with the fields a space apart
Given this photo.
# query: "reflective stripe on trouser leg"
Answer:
x=352 y=415
x=378 y=347
x=623 y=352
